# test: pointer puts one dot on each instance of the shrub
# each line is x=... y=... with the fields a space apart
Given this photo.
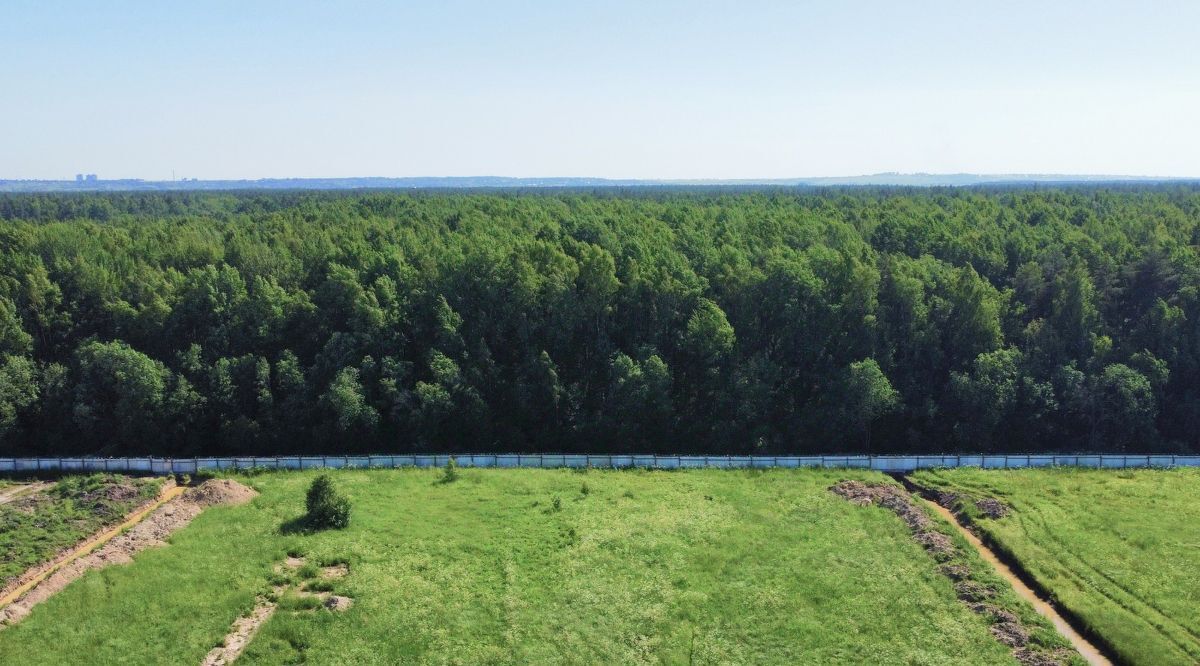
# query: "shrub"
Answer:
x=585 y=489
x=450 y=471
x=326 y=507
x=557 y=504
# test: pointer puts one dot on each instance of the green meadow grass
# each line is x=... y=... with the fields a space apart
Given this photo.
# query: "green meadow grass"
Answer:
x=1120 y=549
x=703 y=567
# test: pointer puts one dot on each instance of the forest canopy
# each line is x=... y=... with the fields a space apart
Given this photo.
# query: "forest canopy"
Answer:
x=855 y=320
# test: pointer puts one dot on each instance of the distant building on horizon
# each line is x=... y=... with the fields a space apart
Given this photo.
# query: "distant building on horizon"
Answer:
x=91 y=177
x=79 y=178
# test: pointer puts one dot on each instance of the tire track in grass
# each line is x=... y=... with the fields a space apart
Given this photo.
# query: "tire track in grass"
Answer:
x=1129 y=601
x=1074 y=569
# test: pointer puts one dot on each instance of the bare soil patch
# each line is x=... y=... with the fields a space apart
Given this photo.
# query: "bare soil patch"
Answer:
x=239 y=635
x=244 y=628
x=150 y=532
x=991 y=508
x=22 y=490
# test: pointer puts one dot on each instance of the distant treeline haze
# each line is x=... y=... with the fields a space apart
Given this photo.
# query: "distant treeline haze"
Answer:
x=769 y=322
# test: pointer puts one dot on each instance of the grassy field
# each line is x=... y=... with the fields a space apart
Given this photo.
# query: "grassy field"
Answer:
x=535 y=566
x=1120 y=549
x=36 y=527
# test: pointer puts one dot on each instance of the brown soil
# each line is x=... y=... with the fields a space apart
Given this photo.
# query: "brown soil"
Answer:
x=1030 y=657
x=219 y=491
x=22 y=490
x=239 y=635
x=991 y=508
x=955 y=571
x=150 y=532
x=969 y=590
x=1012 y=634
x=244 y=628
x=997 y=613
x=335 y=571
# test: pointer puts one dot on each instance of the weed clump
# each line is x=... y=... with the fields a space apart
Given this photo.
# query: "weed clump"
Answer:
x=585 y=489
x=327 y=508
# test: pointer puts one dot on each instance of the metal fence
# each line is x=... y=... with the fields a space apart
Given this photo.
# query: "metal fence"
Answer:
x=552 y=461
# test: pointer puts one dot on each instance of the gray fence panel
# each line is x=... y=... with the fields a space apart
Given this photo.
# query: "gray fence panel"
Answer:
x=333 y=462
x=555 y=460
x=183 y=466
x=933 y=462
x=622 y=461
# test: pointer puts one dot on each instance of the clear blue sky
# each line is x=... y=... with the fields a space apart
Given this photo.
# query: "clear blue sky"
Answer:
x=648 y=89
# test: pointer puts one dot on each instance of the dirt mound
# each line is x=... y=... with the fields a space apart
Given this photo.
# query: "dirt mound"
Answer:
x=219 y=491
x=991 y=508
x=116 y=492
x=153 y=531
x=338 y=604
x=1005 y=627
x=997 y=613
x=1030 y=657
x=938 y=544
x=955 y=571
x=899 y=502
x=969 y=590
x=1012 y=634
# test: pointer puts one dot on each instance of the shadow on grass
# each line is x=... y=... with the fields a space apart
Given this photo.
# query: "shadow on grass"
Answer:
x=297 y=525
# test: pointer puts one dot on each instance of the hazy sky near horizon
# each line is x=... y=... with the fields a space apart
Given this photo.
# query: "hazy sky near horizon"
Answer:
x=620 y=89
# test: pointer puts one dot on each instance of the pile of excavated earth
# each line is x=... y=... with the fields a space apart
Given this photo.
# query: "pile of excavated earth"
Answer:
x=150 y=532
x=979 y=597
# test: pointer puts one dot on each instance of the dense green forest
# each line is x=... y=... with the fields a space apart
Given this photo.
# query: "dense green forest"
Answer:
x=872 y=320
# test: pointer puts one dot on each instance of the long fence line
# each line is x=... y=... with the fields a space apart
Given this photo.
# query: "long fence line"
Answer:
x=551 y=461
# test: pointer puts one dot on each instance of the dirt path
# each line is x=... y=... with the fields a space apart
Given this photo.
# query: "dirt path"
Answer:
x=21 y=490
x=245 y=627
x=239 y=636
x=147 y=527
x=1090 y=653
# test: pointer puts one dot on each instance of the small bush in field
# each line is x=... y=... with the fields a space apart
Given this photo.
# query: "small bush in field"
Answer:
x=450 y=471
x=326 y=507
